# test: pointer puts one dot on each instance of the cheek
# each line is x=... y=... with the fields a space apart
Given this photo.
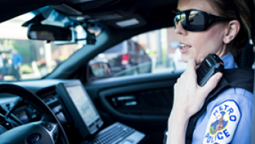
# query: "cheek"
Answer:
x=203 y=43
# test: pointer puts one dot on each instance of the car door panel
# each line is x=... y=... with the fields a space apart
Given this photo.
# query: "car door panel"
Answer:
x=143 y=102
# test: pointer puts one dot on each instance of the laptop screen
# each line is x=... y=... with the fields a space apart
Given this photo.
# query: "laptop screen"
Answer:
x=79 y=108
x=83 y=104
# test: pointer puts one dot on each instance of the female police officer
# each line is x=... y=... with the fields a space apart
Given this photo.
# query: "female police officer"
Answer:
x=219 y=27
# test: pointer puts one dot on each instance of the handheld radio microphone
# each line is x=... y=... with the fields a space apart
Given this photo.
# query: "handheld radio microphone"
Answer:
x=209 y=66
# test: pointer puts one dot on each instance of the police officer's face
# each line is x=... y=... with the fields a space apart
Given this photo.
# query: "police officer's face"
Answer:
x=197 y=45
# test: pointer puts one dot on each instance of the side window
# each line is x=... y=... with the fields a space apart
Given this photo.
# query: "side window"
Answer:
x=151 y=52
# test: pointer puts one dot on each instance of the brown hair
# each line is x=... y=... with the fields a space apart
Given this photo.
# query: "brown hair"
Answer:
x=227 y=10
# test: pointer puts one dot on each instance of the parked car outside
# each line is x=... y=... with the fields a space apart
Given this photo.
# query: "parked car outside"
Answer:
x=126 y=58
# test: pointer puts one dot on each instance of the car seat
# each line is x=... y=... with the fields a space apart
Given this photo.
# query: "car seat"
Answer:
x=246 y=57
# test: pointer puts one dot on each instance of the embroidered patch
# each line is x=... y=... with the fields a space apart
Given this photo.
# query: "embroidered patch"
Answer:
x=222 y=123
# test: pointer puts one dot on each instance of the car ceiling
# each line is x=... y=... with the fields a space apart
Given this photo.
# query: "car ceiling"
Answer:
x=111 y=11
x=13 y=8
x=105 y=11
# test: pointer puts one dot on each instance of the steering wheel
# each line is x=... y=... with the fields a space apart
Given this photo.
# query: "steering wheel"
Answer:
x=45 y=131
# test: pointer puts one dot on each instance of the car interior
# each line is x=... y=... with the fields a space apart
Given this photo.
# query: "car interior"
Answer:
x=66 y=105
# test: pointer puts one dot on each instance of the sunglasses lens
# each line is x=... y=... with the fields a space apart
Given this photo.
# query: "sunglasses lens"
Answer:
x=180 y=18
x=194 y=22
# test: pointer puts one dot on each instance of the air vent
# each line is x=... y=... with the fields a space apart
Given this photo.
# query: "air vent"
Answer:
x=50 y=98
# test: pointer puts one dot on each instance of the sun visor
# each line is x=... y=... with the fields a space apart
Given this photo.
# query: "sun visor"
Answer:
x=132 y=21
x=82 y=1
x=67 y=9
x=51 y=17
x=105 y=16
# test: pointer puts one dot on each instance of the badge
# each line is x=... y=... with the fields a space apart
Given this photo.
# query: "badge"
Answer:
x=222 y=123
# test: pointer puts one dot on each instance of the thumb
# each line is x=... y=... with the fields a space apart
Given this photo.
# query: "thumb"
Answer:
x=212 y=83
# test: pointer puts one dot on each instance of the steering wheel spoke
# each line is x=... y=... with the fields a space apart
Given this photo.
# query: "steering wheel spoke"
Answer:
x=52 y=129
x=30 y=133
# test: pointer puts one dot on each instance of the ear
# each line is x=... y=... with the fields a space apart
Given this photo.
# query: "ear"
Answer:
x=231 y=31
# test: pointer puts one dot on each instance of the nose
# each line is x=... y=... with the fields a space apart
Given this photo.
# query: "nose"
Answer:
x=180 y=30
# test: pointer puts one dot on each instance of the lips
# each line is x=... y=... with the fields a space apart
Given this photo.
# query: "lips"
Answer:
x=184 y=48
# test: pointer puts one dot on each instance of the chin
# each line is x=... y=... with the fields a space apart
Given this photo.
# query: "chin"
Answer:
x=185 y=58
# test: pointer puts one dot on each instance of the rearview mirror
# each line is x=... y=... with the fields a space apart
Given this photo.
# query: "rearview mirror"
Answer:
x=49 y=33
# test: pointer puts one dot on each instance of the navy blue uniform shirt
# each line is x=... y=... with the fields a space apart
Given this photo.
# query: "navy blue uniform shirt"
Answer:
x=228 y=118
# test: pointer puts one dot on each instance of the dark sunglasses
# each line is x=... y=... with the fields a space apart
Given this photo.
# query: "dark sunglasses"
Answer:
x=195 y=20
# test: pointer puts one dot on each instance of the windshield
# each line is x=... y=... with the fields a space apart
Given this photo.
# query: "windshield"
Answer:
x=23 y=59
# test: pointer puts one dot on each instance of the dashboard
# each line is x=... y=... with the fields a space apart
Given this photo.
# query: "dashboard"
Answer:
x=46 y=90
x=114 y=100
x=71 y=105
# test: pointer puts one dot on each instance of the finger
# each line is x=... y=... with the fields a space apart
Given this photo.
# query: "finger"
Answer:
x=211 y=83
x=178 y=80
x=175 y=86
x=191 y=64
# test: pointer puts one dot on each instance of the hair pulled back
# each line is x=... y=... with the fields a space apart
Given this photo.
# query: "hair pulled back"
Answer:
x=226 y=9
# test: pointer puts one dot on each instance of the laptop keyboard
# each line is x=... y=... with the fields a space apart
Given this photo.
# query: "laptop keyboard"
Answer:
x=112 y=134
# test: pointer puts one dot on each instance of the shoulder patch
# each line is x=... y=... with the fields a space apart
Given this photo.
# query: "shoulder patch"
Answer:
x=222 y=123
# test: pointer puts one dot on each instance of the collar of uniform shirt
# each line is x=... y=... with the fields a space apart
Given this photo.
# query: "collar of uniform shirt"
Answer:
x=229 y=61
